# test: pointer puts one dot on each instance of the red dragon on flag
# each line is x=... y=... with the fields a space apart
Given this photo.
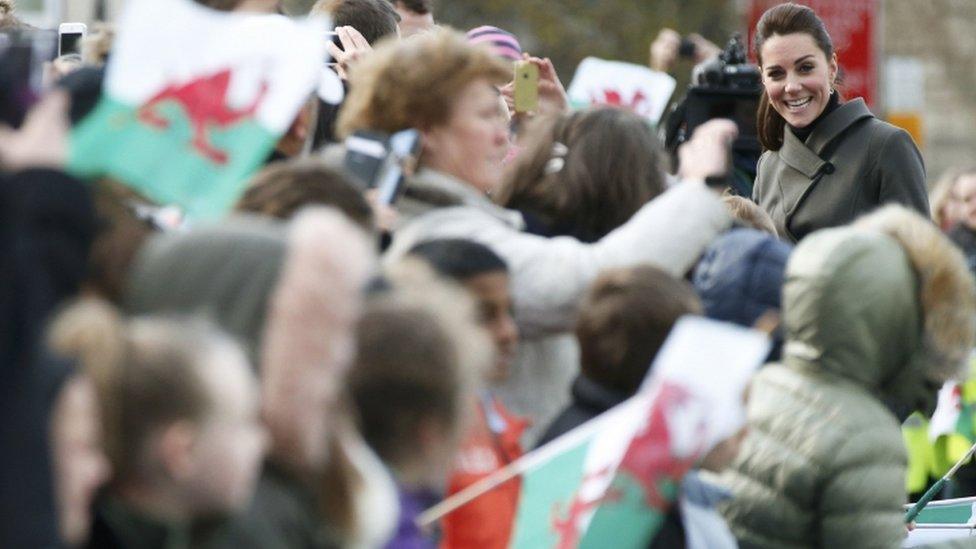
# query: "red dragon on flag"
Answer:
x=204 y=100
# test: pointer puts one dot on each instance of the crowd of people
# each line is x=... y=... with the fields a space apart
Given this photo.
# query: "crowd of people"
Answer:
x=320 y=367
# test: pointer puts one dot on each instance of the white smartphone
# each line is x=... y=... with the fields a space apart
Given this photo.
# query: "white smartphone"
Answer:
x=69 y=37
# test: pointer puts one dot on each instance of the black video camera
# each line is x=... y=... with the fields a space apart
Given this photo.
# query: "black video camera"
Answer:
x=725 y=87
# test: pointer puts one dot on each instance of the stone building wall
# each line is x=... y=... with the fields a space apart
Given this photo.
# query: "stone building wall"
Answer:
x=940 y=34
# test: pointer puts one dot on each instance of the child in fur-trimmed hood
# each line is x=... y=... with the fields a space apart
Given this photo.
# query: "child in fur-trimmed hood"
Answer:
x=876 y=317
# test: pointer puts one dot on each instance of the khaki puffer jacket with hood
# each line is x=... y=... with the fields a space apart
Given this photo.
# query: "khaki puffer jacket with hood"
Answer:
x=876 y=316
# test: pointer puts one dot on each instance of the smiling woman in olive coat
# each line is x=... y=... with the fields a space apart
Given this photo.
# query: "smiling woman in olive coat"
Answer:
x=826 y=161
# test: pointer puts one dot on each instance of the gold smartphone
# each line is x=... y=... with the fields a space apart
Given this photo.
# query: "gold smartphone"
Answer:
x=526 y=86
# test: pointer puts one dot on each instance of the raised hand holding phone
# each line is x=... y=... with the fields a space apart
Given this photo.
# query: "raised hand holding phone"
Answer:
x=354 y=47
x=552 y=98
x=69 y=37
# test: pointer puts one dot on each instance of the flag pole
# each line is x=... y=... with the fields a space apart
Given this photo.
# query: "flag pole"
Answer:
x=529 y=461
x=931 y=492
x=470 y=493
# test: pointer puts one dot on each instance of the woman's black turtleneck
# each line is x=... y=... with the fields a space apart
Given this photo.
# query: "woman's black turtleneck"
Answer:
x=804 y=133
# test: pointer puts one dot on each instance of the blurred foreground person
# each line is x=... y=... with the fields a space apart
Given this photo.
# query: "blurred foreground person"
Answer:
x=492 y=440
x=419 y=363
x=740 y=280
x=877 y=316
x=624 y=319
x=80 y=465
x=179 y=408
x=47 y=225
x=294 y=304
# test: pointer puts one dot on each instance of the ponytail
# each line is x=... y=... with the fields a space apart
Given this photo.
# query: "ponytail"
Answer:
x=769 y=124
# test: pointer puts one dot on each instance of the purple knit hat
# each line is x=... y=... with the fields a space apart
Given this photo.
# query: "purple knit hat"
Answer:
x=502 y=43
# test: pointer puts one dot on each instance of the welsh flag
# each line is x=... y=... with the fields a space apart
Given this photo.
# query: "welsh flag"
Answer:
x=953 y=425
x=943 y=520
x=634 y=87
x=610 y=482
x=194 y=101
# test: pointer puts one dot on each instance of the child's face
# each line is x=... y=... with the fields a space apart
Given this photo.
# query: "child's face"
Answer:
x=495 y=304
x=80 y=465
x=965 y=189
x=230 y=444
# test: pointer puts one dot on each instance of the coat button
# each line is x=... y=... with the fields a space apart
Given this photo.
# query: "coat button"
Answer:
x=827 y=168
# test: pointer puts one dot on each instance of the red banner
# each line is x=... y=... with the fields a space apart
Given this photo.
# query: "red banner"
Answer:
x=851 y=24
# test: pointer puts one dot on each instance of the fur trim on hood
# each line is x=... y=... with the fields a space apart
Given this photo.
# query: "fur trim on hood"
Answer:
x=309 y=338
x=946 y=293
x=326 y=268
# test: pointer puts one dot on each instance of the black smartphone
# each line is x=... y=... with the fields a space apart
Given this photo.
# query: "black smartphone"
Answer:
x=381 y=161
x=401 y=162
x=366 y=152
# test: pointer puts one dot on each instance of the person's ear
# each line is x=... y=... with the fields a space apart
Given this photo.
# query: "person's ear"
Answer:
x=833 y=69
x=429 y=141
x=175 y=447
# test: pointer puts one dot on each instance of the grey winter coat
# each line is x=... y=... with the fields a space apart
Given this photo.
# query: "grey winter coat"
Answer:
x=550 y=275
x=850 y=164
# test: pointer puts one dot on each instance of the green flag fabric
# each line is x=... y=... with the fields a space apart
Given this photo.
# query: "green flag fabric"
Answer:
x=960 y=512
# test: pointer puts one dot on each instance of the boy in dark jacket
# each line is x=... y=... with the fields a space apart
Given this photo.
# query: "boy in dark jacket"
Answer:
x=624 y=320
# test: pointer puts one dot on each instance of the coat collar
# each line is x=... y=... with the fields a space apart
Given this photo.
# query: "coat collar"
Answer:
x=836 y=122
x=442 y=190
x=804 y=157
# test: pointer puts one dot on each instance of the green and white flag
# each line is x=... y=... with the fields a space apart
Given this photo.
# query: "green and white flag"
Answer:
x=613 y=487
x=610 y=482
x=943 y=520
x=194 y=101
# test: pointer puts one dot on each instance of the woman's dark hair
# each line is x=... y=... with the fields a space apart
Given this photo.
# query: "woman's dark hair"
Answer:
x=781 y=20
x=584 y=174
x=283 y=188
